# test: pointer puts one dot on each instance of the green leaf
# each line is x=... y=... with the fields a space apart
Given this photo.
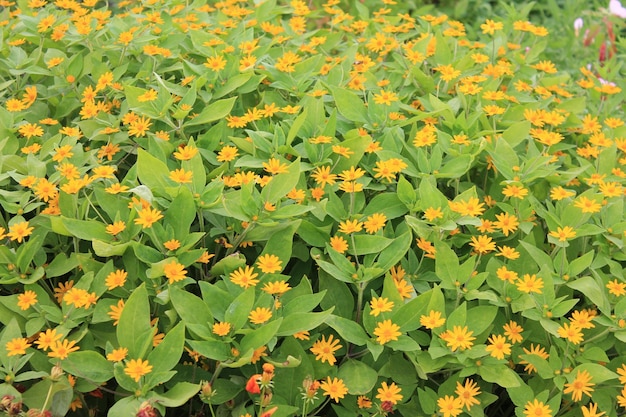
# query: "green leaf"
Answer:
x=178 y=395
x=408 y=315
x=446 y=265
x=27 y=251
x=456 y=167
x=232 y=84
x=238 y=311
x=55 y=396
x=540 y=257
x=599 y=373
x=406 y=192
x=517 y=133
x=124 y=407
x=544 y=369
x=280 y=242
x=349 y=105
x=212 y=349
x=166 y=355
x=181 y=213
x=261 y=336
x=86 y=229
x=299 y=322
x=133 y=330
x=480 y=318
x=366 y=244
x=348 y=330
x=191 y=308
x=106 y=250
x=499 y=374
x=357 y=376
x=89 y=365
x=590 y=288
x=396 y=250
x=152 y=172
x=282 y=184
x=10 y=331
x=214 y=111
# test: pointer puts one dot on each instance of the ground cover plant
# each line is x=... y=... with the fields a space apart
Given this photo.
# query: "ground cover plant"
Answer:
x=286 y=208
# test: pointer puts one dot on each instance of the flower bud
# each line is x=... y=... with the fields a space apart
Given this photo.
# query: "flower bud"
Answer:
x=206 y=392
x=146 y=410
x=252 y=385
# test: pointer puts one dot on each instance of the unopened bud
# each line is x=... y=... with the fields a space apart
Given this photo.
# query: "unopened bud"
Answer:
x=206 y=392
x=56 y=372
x=146 y=410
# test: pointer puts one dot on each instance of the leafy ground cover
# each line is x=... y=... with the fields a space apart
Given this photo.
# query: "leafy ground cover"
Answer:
x=310 y=209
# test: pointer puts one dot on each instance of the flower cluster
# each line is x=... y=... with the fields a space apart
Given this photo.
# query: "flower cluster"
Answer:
x=210 y=205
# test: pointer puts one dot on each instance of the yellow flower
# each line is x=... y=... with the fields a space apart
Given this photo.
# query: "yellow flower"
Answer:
x=117 y=355
x=244 y=277
x=149 y=95
x=350 y=226
x=482 y=244
x=181 y=176
x=375 y=222
x=450 y=406
x=334 y=388
x=17 y=346
x=490 y=27
x=458 y=338
x=432 y=320
x=139 y=127
x=380 y=305
x=322 y=176
x=136 y=368
x=215 y=63
x=571 y=332
x=172 y=244
x=385 y=97
x=77 y=297
x=27 y=299
x=174 y=272
x=269 y=264
x=339 y=244
x=580 y=385
x=471 y=207
x=147 y=217
x=47 y=339
x=61 y=350
x=260 y=315
x=537 y=409
x=530 y=283
x=221 y=329
x=498 y=347
x=274 y=166
x=616 y=288
x=386 y=331
x=513 y=331
x=591 y=411
x=116 y=311
x=185 y=153
x=563 y=233
x=432 y=213
x=116 y=279
x=506 y=222
x=227 y=153
x=515 y=191
x=116 y=227
x=508 y=252
x=390 y=393
x=324 y=350
x=467 y=393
